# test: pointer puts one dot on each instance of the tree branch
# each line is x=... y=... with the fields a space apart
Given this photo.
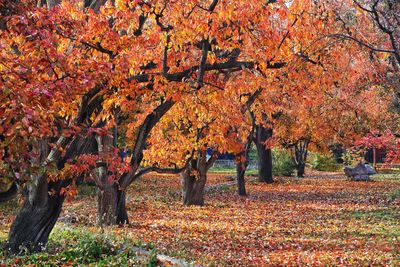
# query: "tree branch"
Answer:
x=179 y=76
x=342 y=36
x=209 y=9
x=140 y=143
x=203 y=60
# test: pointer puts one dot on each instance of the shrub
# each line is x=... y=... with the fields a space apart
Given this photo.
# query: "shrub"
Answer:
x=282 y=163
x=321 y=162
x=92 y=247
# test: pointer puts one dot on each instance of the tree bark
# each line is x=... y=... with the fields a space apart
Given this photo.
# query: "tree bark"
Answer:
x=122 y=214
x=264 y=154
x=241 y=183
x=36 y=219
x=111 y=206
x=194 y=178
x=299 y=155
x=193 y=188
x=43 y=201
x=301 y=169
x=242 y=160
x=107 y=200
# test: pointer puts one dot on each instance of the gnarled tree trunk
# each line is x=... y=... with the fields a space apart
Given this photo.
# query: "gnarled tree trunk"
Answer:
x=43 y=201
x=193 y=188
x=111 y=208
x=264 y=154
x=110 y=199
x=36 y=219
x=194 y=178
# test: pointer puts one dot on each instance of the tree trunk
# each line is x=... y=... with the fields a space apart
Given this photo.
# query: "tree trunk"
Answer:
x=122 y=214
x=265 y=166
x=301 y=169
x=242 y=161
x=43 y=201
x=194 y=178
x=107 y=200
x=299 y=155
x=264 y=154
x=193 y=189
x=111 y=208
x=241 y=184
x=36 y=219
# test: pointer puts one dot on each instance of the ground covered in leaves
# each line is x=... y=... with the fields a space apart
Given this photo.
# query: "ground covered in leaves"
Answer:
x=312 y=221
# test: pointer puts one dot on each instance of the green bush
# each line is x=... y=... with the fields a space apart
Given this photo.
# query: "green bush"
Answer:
x=326 y=163
x=282 y=163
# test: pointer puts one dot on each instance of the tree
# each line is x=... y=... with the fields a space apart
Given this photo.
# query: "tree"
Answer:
x=199 y=123
x=78 y=75
x=73 y=67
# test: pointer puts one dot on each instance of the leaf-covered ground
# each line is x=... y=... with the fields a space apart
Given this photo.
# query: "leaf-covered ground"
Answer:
x=313 y=221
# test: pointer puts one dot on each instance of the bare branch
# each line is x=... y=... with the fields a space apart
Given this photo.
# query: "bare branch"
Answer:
x=342 y=36
x=229 y=65
x=209 y=9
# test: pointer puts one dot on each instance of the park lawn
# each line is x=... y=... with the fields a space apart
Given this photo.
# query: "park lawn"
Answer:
x=311 y=221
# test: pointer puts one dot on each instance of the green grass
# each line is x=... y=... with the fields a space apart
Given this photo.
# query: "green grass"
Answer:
x=386 y=214
x=382 y=223
x=231 y=170
x=387 y=177
x=81 y=246
x=395 y=194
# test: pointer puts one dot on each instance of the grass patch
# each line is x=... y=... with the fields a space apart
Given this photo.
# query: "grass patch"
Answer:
x=230 y=170
x=81 y=246
x=395 y=177
x=394 y=194
x=224 y=188
x=383 y=214
x=381 y=223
